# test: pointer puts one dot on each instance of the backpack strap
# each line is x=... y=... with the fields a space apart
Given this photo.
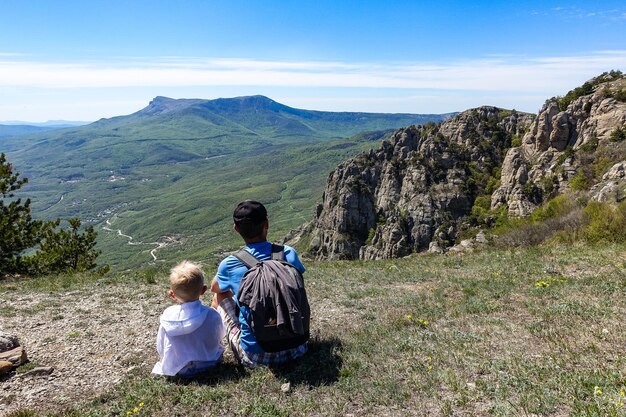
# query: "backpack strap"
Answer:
x=278 y=252
x=249 y=260
x=246 y=258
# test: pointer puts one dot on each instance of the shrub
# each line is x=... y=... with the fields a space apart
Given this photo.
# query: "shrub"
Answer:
x=591 y=145
x=566 y=154
x=493 y=183
x=580 y=182
x=547 y=184
x=585 y=89
x=605 y=223
x=532 y=193
x=618 y=135
x=620 y=95
x=601 y=165
x=558 y=206
x=525 y=232
x=67 y=250
x=516 y=141
x=481 y=209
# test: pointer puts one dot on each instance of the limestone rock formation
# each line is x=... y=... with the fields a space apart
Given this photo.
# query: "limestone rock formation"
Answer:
x=391 y=202
x=612 y=188
x=418 y=190
x=578 y=142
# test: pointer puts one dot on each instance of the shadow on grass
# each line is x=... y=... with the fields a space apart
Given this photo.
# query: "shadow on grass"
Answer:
x=319 y=366
x=224 y=372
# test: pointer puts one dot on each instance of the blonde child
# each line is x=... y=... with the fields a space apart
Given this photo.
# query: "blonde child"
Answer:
x=189 y=334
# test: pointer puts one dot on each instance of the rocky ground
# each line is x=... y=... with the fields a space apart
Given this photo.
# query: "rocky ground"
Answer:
x=90 y=338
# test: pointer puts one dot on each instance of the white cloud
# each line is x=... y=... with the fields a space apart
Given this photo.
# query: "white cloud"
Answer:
x=33 y=90
x=494 y=74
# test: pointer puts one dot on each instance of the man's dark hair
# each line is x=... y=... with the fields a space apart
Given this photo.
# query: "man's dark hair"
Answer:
x=249 y=217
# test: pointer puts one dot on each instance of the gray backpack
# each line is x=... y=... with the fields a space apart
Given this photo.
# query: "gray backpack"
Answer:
x=274 y=292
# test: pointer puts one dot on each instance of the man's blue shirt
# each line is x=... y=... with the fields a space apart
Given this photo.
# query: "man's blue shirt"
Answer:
x=229 y=275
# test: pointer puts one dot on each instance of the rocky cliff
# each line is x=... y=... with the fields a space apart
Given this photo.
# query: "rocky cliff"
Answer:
x=391 y=202
x=419 y=189
x=572 y=143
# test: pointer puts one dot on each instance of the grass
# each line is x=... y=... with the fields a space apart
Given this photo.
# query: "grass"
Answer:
x=447 y=335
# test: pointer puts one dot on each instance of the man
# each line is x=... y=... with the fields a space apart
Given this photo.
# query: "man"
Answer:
x=251 y=222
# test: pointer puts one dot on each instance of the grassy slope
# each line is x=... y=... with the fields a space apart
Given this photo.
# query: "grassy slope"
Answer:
x=495 y=343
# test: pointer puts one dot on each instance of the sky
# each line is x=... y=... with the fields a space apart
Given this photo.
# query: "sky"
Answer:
x=85 y=60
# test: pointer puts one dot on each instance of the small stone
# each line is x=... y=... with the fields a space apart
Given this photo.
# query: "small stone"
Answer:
x=471 y=385
x=5 y=366
x=481 y=237
x=605 y=331
x=286 y=387
x=8 y=341
x=39 y=371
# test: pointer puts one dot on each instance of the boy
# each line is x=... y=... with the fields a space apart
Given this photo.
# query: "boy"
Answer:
x=189 y=336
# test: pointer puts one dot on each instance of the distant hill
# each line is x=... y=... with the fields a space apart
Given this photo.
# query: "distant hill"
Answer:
x=49 y=123
x=173 y=170
x=16 y=130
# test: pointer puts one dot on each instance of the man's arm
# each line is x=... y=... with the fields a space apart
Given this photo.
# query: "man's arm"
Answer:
x=215 y=287
x=219 y=293
x=291 y=256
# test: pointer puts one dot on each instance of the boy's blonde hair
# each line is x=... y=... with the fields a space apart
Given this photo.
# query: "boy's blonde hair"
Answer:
x=187 y=280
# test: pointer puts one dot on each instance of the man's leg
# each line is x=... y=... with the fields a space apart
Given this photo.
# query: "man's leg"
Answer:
x=229 y=311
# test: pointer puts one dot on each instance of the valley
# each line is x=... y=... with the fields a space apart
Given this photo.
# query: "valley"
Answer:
x=178 y=167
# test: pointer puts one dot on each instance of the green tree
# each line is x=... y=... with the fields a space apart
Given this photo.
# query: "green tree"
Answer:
x=18 y=230
x=67 y=249
x=34 y=247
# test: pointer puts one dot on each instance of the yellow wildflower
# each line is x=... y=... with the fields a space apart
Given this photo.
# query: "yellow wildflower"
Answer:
x=140 y=404
x=409 y=316
x=135 y=410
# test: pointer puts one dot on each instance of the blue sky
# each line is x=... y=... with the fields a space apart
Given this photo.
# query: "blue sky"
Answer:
x=83 y=60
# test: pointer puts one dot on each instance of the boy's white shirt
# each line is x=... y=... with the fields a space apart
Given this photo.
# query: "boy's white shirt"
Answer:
x=188 y=332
